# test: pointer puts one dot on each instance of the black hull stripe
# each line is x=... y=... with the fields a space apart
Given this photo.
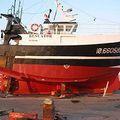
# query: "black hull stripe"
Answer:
x=73 y=50
x=95 y=63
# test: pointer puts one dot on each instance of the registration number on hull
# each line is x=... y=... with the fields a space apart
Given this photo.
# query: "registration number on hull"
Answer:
x=108 y=50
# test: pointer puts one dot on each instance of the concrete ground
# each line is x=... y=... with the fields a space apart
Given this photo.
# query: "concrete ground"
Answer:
x=76 y=108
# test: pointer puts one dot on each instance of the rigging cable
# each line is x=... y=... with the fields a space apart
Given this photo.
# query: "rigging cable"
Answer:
x=90 y=15
x=32 y=6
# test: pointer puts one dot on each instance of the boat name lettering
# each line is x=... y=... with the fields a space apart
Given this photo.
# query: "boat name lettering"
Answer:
x=108 y=50
x=33 y=35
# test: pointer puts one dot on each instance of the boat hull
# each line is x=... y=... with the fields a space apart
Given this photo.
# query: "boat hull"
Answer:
x=82 y=68
x=77 y=79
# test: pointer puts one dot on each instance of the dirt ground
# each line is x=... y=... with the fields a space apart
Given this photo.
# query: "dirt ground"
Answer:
x=75 y=108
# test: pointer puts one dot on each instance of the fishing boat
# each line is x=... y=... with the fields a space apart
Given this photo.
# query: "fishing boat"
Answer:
x=53 y=58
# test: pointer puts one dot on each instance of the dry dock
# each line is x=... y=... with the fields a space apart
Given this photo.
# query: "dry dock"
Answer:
x=76 y=108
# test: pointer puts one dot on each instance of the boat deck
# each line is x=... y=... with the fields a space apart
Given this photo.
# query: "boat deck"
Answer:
x=76 y=108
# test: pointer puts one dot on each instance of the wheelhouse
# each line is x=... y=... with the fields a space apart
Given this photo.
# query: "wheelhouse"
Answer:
x=60 y=27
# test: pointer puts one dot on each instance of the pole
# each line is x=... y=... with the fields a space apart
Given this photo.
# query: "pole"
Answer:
x=105 y=89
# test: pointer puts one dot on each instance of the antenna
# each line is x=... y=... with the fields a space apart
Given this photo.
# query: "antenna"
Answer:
x=55 y=15
x=49 y=13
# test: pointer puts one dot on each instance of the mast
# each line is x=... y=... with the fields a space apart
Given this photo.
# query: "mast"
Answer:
x=21 y=13
x=14 y=26
x=14 y=7
x=65 y=14
x=19 y=5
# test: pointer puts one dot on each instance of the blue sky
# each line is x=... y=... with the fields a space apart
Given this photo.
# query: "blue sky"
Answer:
x=105 y=11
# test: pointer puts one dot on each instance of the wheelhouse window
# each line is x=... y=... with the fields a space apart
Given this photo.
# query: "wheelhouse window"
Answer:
x=60 y=28
x=68 y=28
x=52 y=27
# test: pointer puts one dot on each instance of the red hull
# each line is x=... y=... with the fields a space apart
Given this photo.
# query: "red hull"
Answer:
x=76 y=78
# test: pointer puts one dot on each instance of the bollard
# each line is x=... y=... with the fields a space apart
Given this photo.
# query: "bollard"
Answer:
x=48 y=110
